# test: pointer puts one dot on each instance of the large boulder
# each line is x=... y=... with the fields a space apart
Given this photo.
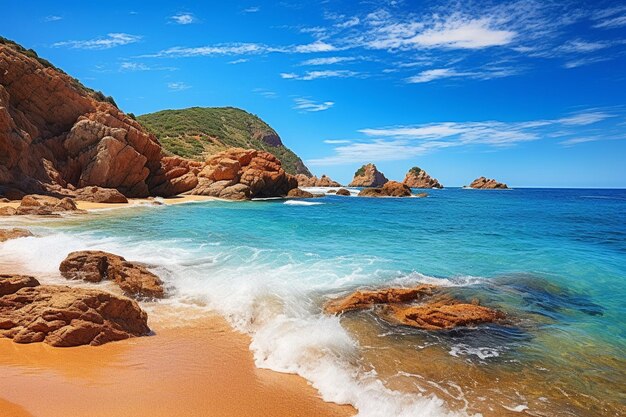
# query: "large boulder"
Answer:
x=95 y=266
x=424 y=307
x=64 y=316
x=240 y=174
x=483 y=183
x=42 y=205
x=344 y=192
x=418 y=178
x=390 y=189
x=323 y=181
x=298 y=193
x=6 y=234
x=100 y=195
x=368 y=176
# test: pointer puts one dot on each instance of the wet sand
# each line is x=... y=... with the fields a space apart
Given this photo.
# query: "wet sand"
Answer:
x=199 y=367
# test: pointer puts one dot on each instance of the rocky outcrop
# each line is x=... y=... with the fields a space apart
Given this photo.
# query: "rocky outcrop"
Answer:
x=63 y=316
x=418 y=178
x=368 y=176
x=95 y=266
x=42 y=205
x=56 y=135
x=241 y=174
x=99 y=195
x=6 y=234
x=390 y=189
x=298 y=193
x=423 y=307
x=343 y=191
x=323 y=181
x=483 y=183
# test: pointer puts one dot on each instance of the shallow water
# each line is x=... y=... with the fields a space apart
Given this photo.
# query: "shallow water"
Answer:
x=553 y=260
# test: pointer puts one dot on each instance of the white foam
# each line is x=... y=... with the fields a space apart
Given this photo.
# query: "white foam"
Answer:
x=481 y=352
x=302 y=203
x=325 y=190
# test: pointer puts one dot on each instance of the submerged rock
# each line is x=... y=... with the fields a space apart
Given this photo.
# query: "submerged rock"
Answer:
x=6 y=234
x=487 y=184
x=96 y=266
x=368 y=176
x=63 y=316
x=418 y=178
x=423 y=307
x=390 y=189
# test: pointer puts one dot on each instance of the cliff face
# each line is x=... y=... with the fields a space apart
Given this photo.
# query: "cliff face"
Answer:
x=368 y=176
x=487 y=184
x=56 y=135
x=418 y=178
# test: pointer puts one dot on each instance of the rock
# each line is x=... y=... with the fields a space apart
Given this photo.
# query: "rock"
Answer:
x=441 y=315
x=368 y=176
x=323 y=181
x=390 y=189
x=63 y=316
x=487 y=184
x=7 y=211
x=57 y=135
x=100 y=195
x=298 y=193
x=421 y=195
x=418 y=178
x=4 y=200
x=6 y=234
x=366 y=299
x=44 y=205
x=422 y=307
x=344 y=192
x=240 y=174
x=95 y=266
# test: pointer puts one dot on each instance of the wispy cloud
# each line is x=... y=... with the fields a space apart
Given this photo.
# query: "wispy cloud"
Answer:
x=52 y=18
x=239 y=61
x=183 y=18
x=178 y=86
x=304 y=104
x=110 y=41
x=313 y=75
x=610 y=18
x=252 y=9
x=266 y=93
x=140 y=66
x=403 y=142
x=353 y=21
x=440 y=73
x=327 y=61
x=240 y=49
x=317 y=46
x=336 y=141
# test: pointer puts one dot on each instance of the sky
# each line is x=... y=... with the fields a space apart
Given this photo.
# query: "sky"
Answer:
x=532 y=93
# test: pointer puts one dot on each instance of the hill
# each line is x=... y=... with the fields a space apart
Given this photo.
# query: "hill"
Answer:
x=198 y=132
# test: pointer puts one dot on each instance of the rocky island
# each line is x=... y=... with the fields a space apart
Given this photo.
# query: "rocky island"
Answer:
x=483 y=183
x=368 y=176
x=418 y=178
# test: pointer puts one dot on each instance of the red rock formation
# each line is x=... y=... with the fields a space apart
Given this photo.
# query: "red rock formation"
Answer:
x=434 y=311
x=298 y=193
x=95 y=266
x=99 y=195
x=368 y=176
x=418 y=178
x=487 y=184
x=42 y=205
x=6 y=234
x=390 y=189
x=323 y=181
x=240 y=174
x=64 y=316
x=56 y=135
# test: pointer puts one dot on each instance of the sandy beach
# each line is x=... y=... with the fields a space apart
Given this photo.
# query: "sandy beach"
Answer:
x=194 y=367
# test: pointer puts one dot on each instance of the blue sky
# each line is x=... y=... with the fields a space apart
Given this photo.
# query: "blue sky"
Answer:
x=532 y=93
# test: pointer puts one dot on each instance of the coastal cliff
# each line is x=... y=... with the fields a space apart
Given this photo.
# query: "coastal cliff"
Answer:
x=418 y=178
x=368 y=176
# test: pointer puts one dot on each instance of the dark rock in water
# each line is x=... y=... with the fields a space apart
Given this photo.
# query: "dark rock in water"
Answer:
x=344 y=192
x=390 y=189
x=483 y=183
x=299 y=193
x=95 y=266
x=64 y=316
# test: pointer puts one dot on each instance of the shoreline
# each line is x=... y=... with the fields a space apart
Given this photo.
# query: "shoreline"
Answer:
x=190 y=366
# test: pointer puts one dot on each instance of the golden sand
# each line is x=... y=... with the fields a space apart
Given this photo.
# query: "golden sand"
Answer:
x=197 y=368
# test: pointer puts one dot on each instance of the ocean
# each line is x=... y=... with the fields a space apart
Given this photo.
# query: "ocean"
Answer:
x=554 y=260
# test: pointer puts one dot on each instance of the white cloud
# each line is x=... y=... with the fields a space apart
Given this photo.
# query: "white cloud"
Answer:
x=252 y=9
x=213 y=50
x=585 y=118
x=52 y=18
x=422 y=132
x=581 y=46
x=576 y=141
x=317 y=46
x=434 y=74
x=349 y=23
x=610 y=18
x=327 y=61
x=307 y=105
x=336 y=141
x=183 y=18
x=134 y=66
x=459 y=33
x=265 y=93
x=585 y=61
x=178 y=86
x=239 y=61
x=313 y=75
x=485 y=73
x=110 y=41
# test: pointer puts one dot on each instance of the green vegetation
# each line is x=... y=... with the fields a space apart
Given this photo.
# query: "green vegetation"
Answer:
x=360 y=171
x=98 y=95
x=415 y=170
x=198 y=132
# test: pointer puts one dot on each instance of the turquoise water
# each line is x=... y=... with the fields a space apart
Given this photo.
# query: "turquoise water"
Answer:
x=554 y=260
